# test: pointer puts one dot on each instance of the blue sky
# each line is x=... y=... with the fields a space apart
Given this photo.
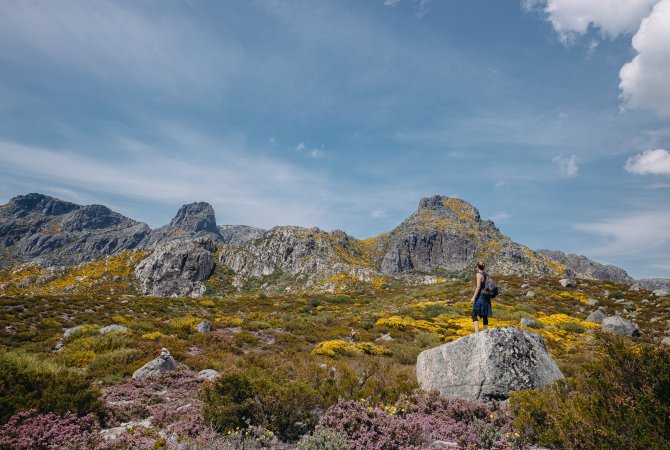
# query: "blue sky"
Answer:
x=552 y=117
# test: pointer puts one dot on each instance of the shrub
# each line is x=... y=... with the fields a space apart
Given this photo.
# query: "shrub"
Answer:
x=574 y=327
x=31 y=430
x=26 y=382
x=622 y=397
x=616 y=295
x=261 y=397
x=323 y=439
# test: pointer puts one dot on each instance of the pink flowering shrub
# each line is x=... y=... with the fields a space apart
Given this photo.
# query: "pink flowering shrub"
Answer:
x=417 y=421
x=32 y=430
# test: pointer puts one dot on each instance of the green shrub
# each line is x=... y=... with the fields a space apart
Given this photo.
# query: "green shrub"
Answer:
x=28 y=382
x=616 y=295
x=622 y=398
x=261 y=397
x=323 y=439
x=574 y=327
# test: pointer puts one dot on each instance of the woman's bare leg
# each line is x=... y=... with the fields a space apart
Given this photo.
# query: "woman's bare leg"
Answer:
x=476 y=324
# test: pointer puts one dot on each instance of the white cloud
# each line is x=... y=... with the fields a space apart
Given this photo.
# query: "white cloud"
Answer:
x=655 y=162
x=317 y=153
x=567 y=165
x=499 y=184
x=571 y=18
x=500 y=217
x=300 y=147
x=378 y=213
x=645 y=80
x=637 y=235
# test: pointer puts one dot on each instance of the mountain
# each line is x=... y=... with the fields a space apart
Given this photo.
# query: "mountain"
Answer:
x=443 y=237
x=582 y=267
x=47 y=231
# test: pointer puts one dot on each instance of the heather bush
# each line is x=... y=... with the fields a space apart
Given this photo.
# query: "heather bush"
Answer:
x=417 y=421
x=621 y=397
x=32 y=430
x=27 y=382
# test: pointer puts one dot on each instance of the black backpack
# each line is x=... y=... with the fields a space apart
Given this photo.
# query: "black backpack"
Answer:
x=490 y=288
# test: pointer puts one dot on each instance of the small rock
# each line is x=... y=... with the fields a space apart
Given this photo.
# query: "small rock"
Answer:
x=112 y=329
x=568 y=283
x=635 y=288
x=661 y=293
x=204 y=327
x=666 y=341
x=444 y=444
x=645 y=301
x=525 y=286
x=88 y=310
x=70 y=331
x=384 y=338
x=155 y=367
x=58 y=346
x=592 y=302
x=629 y=304
x=596 y=316
x=528 y=322
x=621 y=326
x=530 y=294
x=207 y=375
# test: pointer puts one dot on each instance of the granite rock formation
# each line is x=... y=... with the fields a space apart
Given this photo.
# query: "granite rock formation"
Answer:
x=583 y=267
x=487 y=365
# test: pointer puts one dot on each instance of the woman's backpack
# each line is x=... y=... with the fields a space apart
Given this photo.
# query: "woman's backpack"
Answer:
x=490 y=288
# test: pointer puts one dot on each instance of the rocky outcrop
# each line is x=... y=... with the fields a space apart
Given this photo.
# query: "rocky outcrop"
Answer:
x=239 y=234
x=582 y=267
x=291 y=250
x=43 y=230
x=654 y=284
x=487 y=365
x=195 y=221
x=447 y=235
x=155 y=367
x=620 y=326
x=177 y=268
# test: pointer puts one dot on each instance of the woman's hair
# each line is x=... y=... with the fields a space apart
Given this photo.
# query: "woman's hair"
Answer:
x=481 y=265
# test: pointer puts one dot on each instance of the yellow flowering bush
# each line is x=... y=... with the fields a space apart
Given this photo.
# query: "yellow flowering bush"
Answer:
x=341 y=347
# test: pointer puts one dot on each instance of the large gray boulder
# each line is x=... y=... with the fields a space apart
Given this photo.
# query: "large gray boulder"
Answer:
x=176 y=268
x=596 y=316
x=155 y=367
x=620 y=326
x=487 y=365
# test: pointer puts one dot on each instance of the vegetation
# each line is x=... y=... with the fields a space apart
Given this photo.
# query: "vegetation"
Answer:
x=287 y=360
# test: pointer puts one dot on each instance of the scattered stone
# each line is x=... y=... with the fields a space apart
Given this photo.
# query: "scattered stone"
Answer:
x=568 y=283
x=88 y=310
x=645 y=301
x=528 y=322
x=384 y=338
x=207 y=375
x=487 y=365
x=530 y=294
x=666 y=341
x=70 y=331
x=155 y=367
x=620 y=326
x=204 y=327
x=109 y=434
x=113 y=329
x=630 y=304
x=592 y=302
x=635 y=287
x=444 y=445
x=596 y=316
x=58 y=347
x=525 y=286
x=661 y=293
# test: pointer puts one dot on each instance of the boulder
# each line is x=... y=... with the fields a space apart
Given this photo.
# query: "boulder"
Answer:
x=530 y=294
x=203 y=327
x=621 y=326
x=528 y=322
x=207 y=375
x=112 y=329
x=592 y=302
x=666 y=340
x=661 y=293
x=568 y=283
x=596 y=316
x=155 y=367
x=384 y=338
x=70 y=331
x=487 y=365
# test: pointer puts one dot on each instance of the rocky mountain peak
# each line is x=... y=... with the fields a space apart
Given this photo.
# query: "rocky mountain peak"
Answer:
x=194 y=217
x=449 y=207
x=22 y=205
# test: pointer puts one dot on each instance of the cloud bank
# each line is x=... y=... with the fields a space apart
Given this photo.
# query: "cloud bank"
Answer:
x=655 y=162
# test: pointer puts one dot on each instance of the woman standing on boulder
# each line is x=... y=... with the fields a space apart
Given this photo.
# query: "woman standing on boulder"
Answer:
x=481 y=303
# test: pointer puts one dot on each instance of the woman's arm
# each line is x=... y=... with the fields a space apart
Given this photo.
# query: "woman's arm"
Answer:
x=479 y=279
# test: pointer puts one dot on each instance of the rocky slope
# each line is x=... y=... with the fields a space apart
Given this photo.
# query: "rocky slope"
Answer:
x=444 y=236
x=47 y=231
x=582 y=267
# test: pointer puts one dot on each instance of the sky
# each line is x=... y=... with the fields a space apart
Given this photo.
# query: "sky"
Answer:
x=552 y=117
